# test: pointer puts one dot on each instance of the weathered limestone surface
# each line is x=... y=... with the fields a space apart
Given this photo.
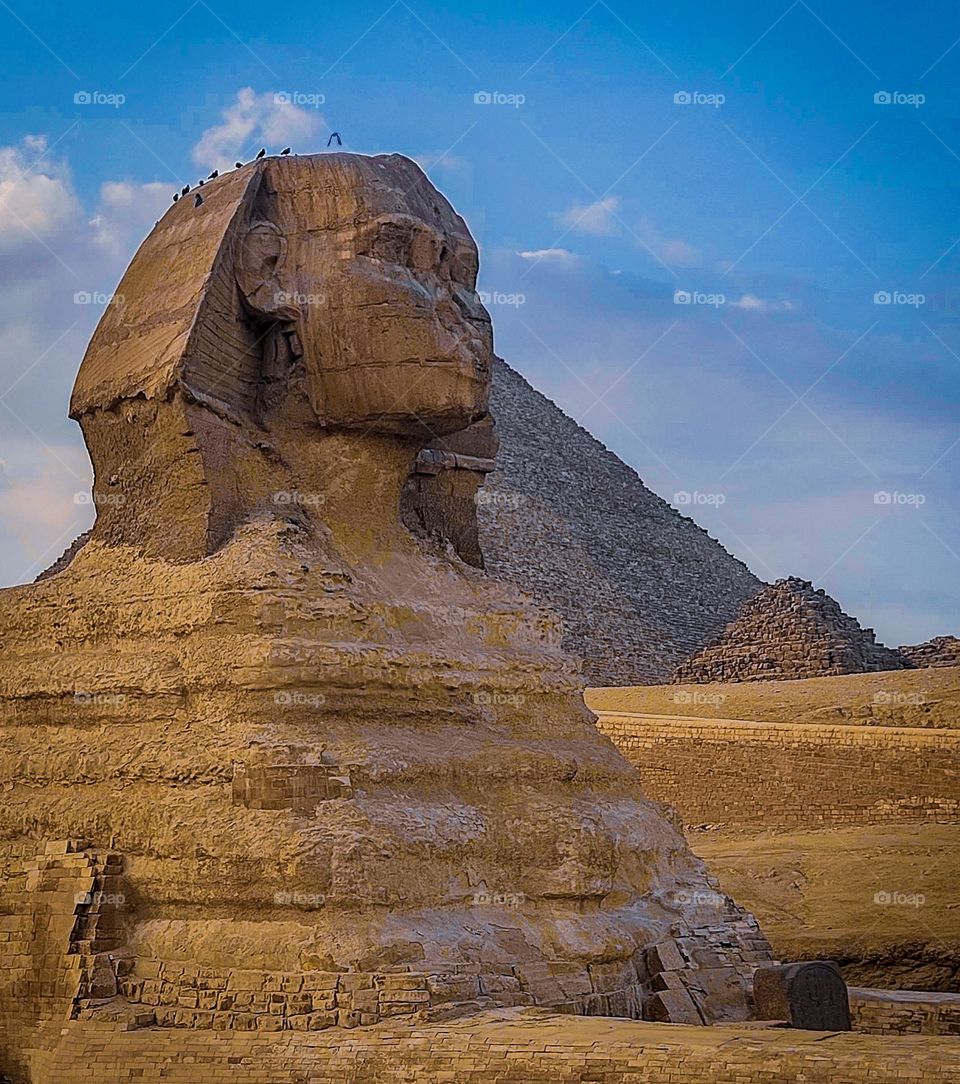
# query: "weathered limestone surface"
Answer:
x=789 y=630
x=302 y=766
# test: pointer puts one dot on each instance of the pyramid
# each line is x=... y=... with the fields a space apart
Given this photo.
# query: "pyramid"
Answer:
x=640 y=587
x=790 y=630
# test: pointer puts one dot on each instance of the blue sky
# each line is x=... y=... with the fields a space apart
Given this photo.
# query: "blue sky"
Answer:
x=686 y=215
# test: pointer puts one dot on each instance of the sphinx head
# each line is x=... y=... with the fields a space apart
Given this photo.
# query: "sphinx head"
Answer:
x=332 y=294
x=366 y=277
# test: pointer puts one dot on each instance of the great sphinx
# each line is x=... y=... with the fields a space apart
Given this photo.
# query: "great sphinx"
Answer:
x=274 y=754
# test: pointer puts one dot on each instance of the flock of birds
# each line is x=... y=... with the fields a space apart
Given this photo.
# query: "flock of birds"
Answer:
x=198 y=199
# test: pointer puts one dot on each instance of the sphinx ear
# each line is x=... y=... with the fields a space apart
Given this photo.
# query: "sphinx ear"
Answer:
x=260 y=267
x=272 y=305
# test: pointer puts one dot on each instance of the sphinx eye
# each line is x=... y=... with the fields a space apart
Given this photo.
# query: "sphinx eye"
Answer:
x=391 y=244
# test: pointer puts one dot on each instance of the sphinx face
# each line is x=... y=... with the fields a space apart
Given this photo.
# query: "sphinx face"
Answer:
x=372 y=275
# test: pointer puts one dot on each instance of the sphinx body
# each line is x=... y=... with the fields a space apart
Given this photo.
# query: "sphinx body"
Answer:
x=276 y=756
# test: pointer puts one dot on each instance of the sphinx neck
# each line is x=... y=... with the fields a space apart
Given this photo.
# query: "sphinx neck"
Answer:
x=355 y=482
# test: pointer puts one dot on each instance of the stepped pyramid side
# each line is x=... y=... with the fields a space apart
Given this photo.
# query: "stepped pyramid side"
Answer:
x=940 y=651
x=790 y=630
x=639 y=586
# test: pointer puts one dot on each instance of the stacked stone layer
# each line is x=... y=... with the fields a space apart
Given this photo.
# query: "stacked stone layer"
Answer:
x=940 y=651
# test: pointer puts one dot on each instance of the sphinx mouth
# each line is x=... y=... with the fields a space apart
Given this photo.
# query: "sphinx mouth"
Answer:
x=479 y=364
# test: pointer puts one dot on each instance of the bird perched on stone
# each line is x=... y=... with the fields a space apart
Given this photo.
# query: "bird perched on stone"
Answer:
x=286 y=150
x=335 y=136
x=239 y=165
x=198 y=200
x=216 y=173
x=200 y=183
x=176 y=196
x=184 y=190
x=261 y=152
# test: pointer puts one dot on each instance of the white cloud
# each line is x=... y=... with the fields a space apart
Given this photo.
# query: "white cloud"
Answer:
x=127 y=210
x=557 y=255
x=752 y=303
x=269 y=119
x=674 y=252
x=598 y=218
x=36 y=198
x=441 y=160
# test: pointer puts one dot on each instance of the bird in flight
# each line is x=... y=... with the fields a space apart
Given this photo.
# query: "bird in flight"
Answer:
x=261 y=152
x=198 y=200
x=335 y=136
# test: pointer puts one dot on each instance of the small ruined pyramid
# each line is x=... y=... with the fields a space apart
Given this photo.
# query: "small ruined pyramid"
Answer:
x=790 y=630
x=940 y=651
x=639 y=585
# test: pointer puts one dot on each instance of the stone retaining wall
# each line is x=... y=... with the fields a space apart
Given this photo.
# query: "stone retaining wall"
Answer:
x=718 y=771
x=904 y=1012
x=535 y=1049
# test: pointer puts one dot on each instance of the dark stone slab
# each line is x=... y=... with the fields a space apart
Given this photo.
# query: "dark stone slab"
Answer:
x=811 y=994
